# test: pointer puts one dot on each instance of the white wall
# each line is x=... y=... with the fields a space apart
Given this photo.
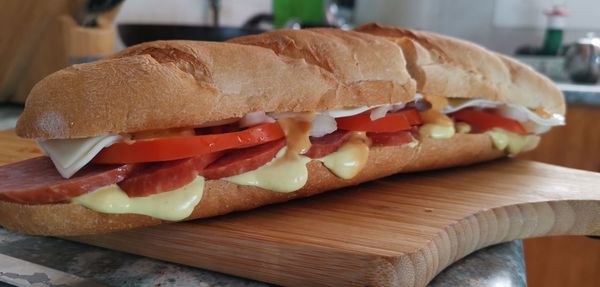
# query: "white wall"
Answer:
x=191 y=12
x=482 y=21
x=476 y=20
x=187 y=12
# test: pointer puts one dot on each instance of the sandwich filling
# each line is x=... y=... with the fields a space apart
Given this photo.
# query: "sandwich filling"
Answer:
x=162 y=173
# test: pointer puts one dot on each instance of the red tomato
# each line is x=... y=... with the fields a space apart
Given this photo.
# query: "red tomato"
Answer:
x=481 y=121
x=392 y=122
x=172 y=148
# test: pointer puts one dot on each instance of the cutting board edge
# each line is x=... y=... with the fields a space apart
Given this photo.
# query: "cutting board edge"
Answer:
x=473 y=232
x=416 y=268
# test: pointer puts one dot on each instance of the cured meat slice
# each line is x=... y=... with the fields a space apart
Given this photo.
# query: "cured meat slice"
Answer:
x=243 y=160
x=36 y=181
x=391 y=139
x=327 y=144
x=160 y=177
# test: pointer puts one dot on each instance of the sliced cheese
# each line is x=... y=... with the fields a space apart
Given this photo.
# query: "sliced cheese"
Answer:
x=172 y=205
x=282 y=174
x=70 y=155
x=512 y=143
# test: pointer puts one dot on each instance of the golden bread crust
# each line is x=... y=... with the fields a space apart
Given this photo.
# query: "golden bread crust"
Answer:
x=454 y=68
x=166 y=84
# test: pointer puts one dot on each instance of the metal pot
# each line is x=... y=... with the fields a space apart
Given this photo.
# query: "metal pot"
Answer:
x=582 y=60
x=133 y=34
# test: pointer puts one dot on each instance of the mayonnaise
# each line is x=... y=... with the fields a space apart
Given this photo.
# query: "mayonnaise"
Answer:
x=512 y=143
x=171 y=205
x=350 y=158
x=282 y=174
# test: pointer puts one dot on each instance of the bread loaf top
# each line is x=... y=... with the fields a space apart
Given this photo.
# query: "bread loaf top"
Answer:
x=168 y=84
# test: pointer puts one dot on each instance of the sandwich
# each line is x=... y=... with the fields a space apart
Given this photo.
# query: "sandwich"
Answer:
x=179 y=130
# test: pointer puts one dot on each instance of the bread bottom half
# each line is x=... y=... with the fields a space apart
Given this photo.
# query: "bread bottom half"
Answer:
x=221 y=197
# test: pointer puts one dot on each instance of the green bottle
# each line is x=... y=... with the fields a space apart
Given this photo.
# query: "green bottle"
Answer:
x=308 y=12
x=554 y=31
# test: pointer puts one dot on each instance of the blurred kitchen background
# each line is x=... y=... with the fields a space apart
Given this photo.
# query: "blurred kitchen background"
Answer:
x=558 y=38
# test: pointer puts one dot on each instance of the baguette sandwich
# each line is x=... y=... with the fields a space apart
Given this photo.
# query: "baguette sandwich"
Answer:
x=177 y=130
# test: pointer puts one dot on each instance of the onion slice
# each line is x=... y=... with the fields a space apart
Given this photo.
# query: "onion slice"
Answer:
x=255 y=118
x=322 y=125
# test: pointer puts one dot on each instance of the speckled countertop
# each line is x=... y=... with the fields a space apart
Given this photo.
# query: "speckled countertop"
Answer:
x=499 y=265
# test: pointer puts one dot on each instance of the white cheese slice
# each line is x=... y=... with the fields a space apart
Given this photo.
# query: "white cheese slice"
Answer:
x=71 y=155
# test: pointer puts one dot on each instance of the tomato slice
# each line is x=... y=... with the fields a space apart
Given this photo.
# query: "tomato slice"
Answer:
x=172 y=148
x=482 y=120
x=392 y=122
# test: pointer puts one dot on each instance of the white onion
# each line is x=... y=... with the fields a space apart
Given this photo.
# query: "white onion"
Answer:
x=472 y=103
x=255 y=118
x=397 y=107
x=379 y=112
x=515 y=114
x=554 y=120
x=322 y=125
x=532 y=121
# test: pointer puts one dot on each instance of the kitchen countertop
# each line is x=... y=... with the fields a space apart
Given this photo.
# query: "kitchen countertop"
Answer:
x=581 y=94
x=499 y=265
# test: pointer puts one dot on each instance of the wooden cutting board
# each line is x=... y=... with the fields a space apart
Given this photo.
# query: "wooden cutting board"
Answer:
x=397 y=231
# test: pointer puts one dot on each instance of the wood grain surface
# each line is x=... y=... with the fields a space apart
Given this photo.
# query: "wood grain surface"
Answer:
x=567 y=261
x=397 y=231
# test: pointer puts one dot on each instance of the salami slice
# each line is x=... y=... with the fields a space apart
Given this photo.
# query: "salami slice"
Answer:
x=327 y=144
x=36 y=181
x=391 y=139
x=243 y=160
x=165 y=176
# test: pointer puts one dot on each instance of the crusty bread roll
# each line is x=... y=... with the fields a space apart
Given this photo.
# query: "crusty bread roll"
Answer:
x=168 y=84
x=162 y=85
x=221 y=197
x=453 y=68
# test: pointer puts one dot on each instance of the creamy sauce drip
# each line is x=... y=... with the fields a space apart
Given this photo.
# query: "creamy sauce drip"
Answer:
x=437 y=125
x=512 y=143
x=350 y=158
x=172 y=205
